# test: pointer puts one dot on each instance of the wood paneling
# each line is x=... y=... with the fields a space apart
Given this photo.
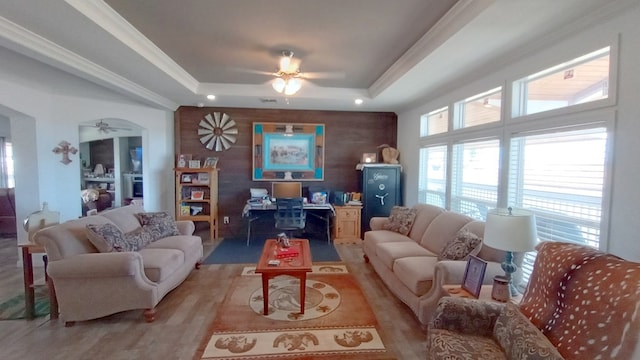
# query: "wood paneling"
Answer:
x=348 y=135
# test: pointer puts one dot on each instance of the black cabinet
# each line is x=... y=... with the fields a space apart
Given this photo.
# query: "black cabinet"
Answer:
x=381 y=190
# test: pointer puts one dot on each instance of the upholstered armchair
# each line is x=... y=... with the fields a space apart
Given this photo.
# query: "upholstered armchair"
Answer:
x=580 y=303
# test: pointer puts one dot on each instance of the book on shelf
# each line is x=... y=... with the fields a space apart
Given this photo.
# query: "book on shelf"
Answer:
x=185 y=210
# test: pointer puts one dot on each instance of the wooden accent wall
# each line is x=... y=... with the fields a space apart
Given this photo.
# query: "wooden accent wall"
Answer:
x=348 y=135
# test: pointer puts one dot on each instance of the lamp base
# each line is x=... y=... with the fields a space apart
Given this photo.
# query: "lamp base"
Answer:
x=509 y=268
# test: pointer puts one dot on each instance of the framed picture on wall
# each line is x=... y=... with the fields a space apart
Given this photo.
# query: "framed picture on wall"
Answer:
x=288 y=152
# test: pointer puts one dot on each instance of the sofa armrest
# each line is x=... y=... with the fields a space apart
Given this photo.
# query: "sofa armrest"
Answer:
x=377 y=222
x=186 y=227
x=467 y=316
x=95 y=265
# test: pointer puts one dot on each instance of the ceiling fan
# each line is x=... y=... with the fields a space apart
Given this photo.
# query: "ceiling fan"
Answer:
x=288 y=77
x=104 y=127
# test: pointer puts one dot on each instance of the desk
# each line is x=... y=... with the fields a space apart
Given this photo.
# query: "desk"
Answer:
x=323 y=212
x=28 y=249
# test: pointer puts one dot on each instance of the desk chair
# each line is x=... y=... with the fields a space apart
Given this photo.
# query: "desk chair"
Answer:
x=290 y=214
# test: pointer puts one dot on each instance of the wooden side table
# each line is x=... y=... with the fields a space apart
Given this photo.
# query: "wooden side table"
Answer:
x=28 y=249
x=347 y=224
x=297 y=267
x=485 y=293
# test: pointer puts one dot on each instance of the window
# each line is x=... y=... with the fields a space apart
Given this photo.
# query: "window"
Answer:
x=560 y=176
x=553 y=164
x=474 y=177
x=435 y=122
x=579 y=81
x=433 y=170
x=479 y=109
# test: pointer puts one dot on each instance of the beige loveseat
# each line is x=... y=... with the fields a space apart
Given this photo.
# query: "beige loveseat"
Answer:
x=409 y=264
x=93 y=279
x=580 y=303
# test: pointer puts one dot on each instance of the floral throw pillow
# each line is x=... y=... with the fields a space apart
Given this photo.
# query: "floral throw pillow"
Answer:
x=465 y=243
x=400 y=220
x=159 y=224
x=108 y=238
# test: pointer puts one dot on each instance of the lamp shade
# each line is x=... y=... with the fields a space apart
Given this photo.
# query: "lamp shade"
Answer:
x=511 y=230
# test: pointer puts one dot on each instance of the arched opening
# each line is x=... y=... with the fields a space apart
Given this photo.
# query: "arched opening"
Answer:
x=110 y=153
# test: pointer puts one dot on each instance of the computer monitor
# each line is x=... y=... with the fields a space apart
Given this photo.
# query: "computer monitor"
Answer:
x=287 y=189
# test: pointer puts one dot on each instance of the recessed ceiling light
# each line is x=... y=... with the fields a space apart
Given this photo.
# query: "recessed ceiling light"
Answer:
x=211 y=97
x=358 y=101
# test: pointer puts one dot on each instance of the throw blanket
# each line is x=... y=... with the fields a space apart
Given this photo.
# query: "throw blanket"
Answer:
x=585 y=301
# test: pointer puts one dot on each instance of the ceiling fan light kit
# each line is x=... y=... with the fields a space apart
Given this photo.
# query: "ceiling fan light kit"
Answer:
x=288 y=80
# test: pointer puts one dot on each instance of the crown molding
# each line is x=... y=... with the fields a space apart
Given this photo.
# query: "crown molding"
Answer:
x=28 y=43
x=109 y=20
x=454 y=20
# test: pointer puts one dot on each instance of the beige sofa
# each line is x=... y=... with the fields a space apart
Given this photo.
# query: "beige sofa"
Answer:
x=409 y=264
x=90 y=284
x=580 y=304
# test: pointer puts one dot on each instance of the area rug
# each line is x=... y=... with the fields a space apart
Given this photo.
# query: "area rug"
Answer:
x=236 y=251
x=337 y=324
x=14 y=308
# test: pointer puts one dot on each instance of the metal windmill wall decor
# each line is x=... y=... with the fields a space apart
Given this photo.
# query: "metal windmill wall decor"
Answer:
x=218 y=131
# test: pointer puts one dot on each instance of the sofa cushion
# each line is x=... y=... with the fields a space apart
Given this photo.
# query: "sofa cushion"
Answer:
x=124 y=217
x=425 y=214
x=461 y=246
x=109 y=238
x=159 y=224
x=520 y=339
x=388 y=253
x=400 y=220
x=159 y=264
x=444 y=227
x=445 y=344
x=373 y=238
x=416 y=273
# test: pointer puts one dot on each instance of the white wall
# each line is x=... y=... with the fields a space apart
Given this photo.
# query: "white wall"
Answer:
x=625 y=199
x=44 y=107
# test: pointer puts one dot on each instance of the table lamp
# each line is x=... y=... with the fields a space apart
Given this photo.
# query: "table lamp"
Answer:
x=512 y=231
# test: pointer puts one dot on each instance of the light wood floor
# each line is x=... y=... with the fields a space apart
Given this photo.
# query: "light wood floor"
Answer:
x=183 y=317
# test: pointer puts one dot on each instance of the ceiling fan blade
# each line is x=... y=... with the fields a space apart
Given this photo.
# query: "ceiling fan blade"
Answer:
x=252 y=71
x=324 y=75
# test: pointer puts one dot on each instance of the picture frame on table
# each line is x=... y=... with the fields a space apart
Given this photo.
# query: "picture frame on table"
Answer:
x=197 y=195
x=183 y=160
x=369 y=158
x=211 y=163
x=474 y=275
x=194 y=164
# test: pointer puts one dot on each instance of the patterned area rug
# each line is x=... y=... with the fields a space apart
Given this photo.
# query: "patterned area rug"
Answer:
x=337 y=324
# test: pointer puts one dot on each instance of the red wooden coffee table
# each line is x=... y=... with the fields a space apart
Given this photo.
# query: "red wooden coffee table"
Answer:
x=297 y=267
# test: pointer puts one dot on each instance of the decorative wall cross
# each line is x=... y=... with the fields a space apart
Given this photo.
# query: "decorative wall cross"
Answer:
x=65 y=148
